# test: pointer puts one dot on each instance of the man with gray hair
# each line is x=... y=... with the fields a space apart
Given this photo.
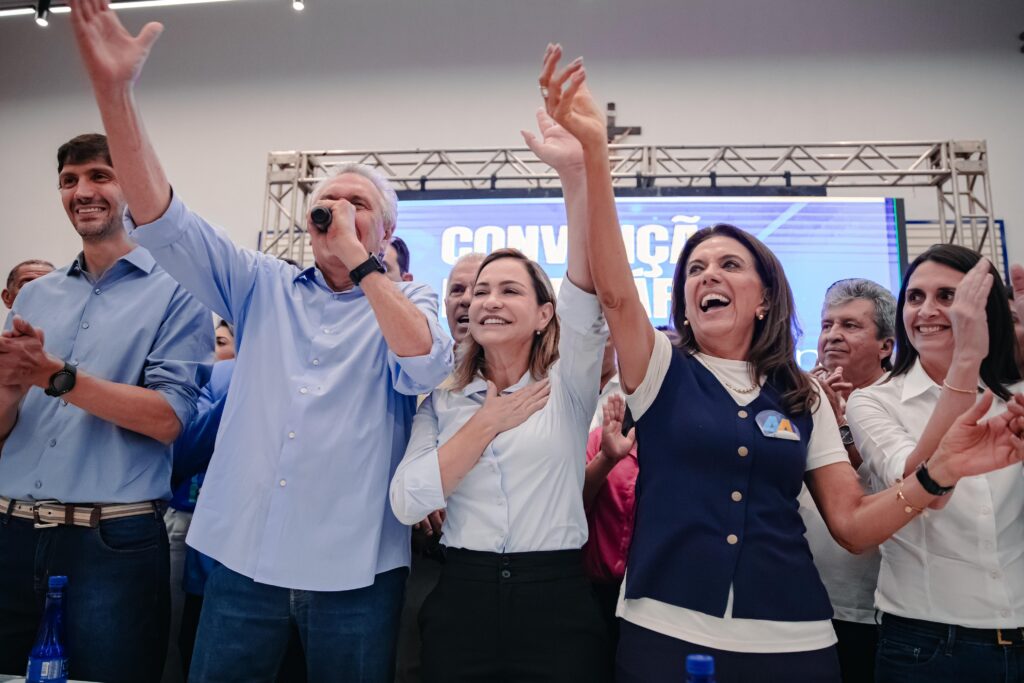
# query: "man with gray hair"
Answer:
x=858 y=322
x=330 y=360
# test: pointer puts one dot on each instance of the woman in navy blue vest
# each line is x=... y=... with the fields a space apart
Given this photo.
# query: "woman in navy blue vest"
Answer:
x=728 y=430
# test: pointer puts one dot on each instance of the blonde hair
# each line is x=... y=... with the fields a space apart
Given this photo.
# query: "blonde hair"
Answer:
x=470 y=360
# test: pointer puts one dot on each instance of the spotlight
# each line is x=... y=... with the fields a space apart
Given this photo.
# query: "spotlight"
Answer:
x=298 y=5
x=43 y=13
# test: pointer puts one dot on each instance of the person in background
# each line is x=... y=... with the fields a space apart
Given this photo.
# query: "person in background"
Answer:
x=100 y=366
x=609 y=498
x=396 y=260
x=500 y=447
x=225 y=340
x=332 y=357
x=458 y=294
x=728 y=429
x=951 y=583
x=22 y=274
x=858 y=321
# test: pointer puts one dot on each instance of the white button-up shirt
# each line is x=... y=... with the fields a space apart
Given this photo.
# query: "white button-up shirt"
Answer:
x=525 y=492
x=960 y=565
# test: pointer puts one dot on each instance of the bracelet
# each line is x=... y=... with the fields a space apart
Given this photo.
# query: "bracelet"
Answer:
x=907 y=507
x=971 y=392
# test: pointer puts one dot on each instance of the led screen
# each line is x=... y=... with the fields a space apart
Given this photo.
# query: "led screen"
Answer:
x=818 y=240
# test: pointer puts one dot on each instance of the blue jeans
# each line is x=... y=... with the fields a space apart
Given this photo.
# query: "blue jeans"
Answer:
x=118 y=602
x=346 y=635
x=926 y=652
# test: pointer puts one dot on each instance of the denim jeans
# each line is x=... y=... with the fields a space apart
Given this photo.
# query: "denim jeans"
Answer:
x=117 y=596
x=346 y=635
x=935 y=653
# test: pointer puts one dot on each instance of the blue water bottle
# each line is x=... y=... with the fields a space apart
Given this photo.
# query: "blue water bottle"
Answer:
x=48 y=661
x=700 y=669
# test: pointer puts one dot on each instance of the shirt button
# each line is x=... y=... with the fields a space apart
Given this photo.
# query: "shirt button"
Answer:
x=85 y=326
x=63 y=402
x=732 y=539
x=291 y=435
x=742 y=414
x=737 y=496
x=327 y=330
x=39 y=484
x=316 y=361
x=742 y=450
x=282 y=483
x=53 y=442
x=97 y=290
x=303 y=390
x=75 y=362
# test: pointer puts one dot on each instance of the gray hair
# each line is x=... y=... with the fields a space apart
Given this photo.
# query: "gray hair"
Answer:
x=845 y=291
x=389 y=198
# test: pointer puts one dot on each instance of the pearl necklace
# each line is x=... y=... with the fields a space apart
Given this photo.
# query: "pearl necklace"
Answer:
x=727 y=384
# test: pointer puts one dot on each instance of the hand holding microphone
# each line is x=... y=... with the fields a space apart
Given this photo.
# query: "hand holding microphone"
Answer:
x=321 y=217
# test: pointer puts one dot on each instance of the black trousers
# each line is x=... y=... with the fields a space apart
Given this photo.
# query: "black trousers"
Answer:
x=856 y=647
x=509 y=618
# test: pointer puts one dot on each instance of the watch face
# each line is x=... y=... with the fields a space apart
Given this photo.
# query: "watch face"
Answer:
x=63 y=381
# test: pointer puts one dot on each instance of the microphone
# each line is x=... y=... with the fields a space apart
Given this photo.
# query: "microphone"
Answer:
x=321 y=217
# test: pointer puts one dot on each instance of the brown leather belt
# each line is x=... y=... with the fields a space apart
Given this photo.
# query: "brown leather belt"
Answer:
x=51 y=513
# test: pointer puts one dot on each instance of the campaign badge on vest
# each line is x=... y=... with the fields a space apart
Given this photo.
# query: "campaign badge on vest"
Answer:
x=775 y=425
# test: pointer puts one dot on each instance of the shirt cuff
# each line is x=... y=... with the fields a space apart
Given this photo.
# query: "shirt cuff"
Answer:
x=164 y=231
x=181 y=405
x=421 y=374
x=416 y=490
x=579 y=310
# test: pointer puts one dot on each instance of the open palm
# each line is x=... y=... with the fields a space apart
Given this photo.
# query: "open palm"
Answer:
x=112 y=56
x=568 y=100
x=981 y=446
x=556 y=147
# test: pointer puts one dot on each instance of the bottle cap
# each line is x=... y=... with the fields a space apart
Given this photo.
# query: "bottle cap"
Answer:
x=58 y=581
x=700 y=664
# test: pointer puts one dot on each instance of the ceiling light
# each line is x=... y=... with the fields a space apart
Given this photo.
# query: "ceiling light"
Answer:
x=43 y=13
x=123 y=4
x=298 y=5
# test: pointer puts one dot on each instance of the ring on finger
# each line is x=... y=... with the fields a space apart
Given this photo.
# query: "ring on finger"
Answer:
x=544 y=91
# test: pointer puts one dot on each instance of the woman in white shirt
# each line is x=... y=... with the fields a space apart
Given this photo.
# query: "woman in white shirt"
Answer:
x=951 y=584
x=500 y=447
x=728 y=427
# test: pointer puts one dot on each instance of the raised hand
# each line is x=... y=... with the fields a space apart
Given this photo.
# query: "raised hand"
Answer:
x=967 y=312
x=112 y=56
x=569 y=102
x=342 y=238
x=975 y=446
x=614 y=445
x=557 y=147
x=506 y=412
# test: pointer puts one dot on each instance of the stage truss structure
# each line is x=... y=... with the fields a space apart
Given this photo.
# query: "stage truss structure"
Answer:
x=955 y=170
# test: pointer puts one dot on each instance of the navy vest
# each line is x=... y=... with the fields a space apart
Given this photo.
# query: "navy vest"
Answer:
x=717 y=504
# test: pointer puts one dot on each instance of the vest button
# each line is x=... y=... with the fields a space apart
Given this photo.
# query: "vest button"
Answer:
x=742 y=414
x=732 y=539
x=742 y=450
x=737 y=496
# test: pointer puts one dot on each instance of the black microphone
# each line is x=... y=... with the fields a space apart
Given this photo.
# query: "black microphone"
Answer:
x=321 y=217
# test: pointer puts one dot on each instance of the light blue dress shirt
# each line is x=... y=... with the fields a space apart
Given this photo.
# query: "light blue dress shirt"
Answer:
x=526 y=491
x=134 y=325
x=316 y=419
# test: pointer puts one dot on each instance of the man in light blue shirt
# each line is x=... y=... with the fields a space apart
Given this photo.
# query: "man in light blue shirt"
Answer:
x=100 y=365
x=329 y=361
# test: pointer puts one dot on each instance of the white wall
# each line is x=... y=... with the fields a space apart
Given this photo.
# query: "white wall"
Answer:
x=228 y=83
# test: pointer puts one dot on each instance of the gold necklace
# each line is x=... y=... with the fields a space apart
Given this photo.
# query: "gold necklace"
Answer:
x=727 y=384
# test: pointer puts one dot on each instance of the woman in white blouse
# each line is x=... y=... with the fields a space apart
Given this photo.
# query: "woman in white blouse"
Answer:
x=500 y=447
x=951 y=584
x=728 y=428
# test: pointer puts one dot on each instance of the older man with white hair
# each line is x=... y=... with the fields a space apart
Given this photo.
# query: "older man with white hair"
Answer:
x=330 y=360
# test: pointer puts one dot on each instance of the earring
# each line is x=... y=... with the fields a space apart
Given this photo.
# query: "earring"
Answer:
x=537 y=333
x=760 y=316
x=686 y=323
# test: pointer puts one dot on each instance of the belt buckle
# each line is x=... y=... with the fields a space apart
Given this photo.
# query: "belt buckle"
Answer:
x=39 y=524
x=1000 y=640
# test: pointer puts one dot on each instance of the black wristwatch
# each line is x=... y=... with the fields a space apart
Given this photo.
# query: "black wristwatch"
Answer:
x=846 y=434
x=62 y=381
x=929 y=484
x=370 y=265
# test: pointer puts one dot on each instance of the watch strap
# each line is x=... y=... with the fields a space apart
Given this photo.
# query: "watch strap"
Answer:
x=929 y=484
x=370 y=265
x=62 y=381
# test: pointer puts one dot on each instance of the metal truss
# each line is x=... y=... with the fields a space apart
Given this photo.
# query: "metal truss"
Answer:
x=956 y=169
